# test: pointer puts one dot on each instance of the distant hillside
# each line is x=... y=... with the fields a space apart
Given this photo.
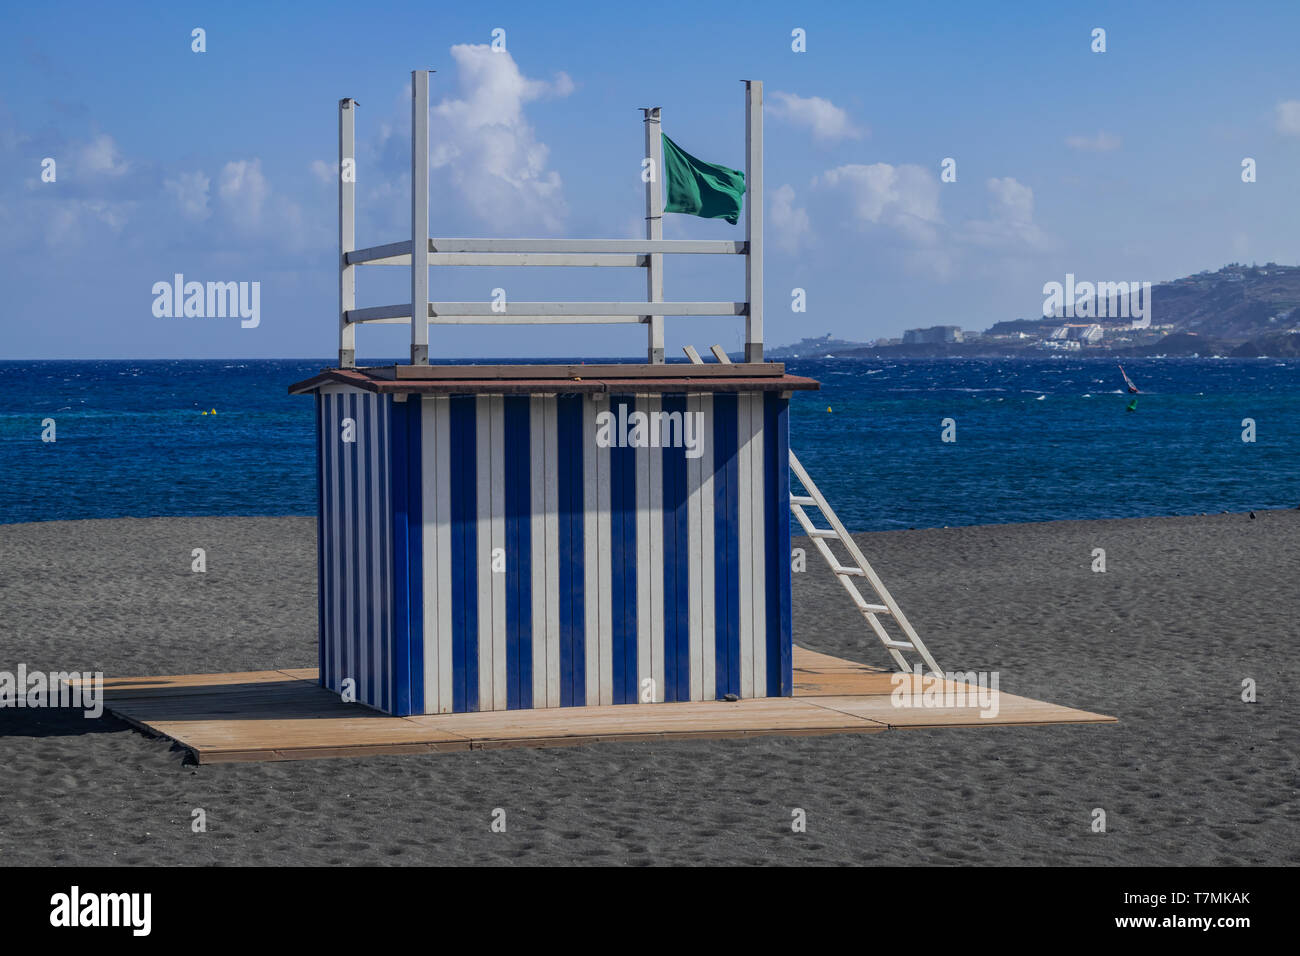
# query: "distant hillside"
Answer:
x=1232 y=306
x=1235 y=304
x=1239 y=310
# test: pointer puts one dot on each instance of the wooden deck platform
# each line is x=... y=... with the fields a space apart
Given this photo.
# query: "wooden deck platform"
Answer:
x=285 y=715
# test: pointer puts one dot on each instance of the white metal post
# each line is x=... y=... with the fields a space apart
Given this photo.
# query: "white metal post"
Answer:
x=419 y=217
x=654 y=229
x=754 y=219
x=347 y=230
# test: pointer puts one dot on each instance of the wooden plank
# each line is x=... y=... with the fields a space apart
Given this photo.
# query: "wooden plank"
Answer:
x=1011 y=710
x=772 y=714
x=216 y=740
x=842 y=683
x=807 y=660
x=284 y=715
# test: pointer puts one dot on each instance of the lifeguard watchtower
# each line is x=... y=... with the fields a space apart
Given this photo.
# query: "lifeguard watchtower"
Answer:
x=497 y=537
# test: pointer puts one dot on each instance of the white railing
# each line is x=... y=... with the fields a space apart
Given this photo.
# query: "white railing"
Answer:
x=645 y=253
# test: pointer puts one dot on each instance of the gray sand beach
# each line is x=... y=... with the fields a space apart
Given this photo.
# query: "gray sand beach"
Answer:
x=1187 y=609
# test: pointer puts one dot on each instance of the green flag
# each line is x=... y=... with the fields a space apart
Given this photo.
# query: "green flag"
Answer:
x=701 y=189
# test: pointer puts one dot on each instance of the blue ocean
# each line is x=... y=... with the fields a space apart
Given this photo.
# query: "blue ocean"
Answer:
x=1035 y=440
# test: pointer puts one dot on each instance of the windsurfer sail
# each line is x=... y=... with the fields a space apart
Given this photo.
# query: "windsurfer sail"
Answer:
x=1132 y=389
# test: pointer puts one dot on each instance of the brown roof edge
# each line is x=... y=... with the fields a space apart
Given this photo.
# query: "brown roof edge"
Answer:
x=576 y=385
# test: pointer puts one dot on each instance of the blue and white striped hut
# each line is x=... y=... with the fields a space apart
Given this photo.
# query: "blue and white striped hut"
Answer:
x=526 y=536
x=504 y=543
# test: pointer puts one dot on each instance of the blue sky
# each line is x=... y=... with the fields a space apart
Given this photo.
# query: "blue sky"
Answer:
x=1123 y=165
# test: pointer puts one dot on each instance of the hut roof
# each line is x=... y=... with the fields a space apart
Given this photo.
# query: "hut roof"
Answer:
x=563 y=379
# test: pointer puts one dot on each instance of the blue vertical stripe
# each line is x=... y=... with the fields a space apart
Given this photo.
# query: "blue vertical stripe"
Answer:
x=402 y=609
x=573 y=648
x=776 y=481
x=519 y=554
x=726 y=519
x=622 y=507
x=385 y=629
x=463 y=417
x=677 y=558
x=322 y=625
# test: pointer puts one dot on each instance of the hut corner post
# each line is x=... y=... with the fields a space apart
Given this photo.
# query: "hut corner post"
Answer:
x=419 y=217
x=754 y=220
x=347 y=230
x=654 y=229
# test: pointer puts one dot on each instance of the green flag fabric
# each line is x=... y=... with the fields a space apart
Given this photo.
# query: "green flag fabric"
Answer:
x=701 y=189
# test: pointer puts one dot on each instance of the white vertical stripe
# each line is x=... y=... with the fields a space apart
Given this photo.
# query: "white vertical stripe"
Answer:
x=708 y=622
x=537 y=532
x=551 y=460
x=359 y=555
x=498 y=428
x=430 y=492
x=758 y=550
x=744 y=542
x=332 y=432
x=591 y=550
x=655 y=460
x=605 y=583
x=441 y=416
x=346 y=449
x=483 y=553
x=644 y=592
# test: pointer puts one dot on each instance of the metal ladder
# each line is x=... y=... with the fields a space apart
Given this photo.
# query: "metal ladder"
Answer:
x=857 y=568
x=845 y=573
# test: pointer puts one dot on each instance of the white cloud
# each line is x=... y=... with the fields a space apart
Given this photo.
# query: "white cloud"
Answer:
x=1012 y=200
x=190 y=191
x=827 y=122
x=1011 y=217
x=70 y=220
x=323 y=171
x=488 y=147
x=1287 y=121
x=904 y=197
x=243 y=191
x=101 y=157
x=789 y=223
x=1103 y=142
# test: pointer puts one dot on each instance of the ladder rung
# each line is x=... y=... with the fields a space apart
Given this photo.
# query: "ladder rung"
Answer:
x=802 y=500
x=901 y=645
x=873 y=609
x=841 y=569
x=823 y=533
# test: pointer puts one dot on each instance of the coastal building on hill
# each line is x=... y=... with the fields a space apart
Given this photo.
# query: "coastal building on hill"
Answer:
x=1086 y=333
x=934 y=335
